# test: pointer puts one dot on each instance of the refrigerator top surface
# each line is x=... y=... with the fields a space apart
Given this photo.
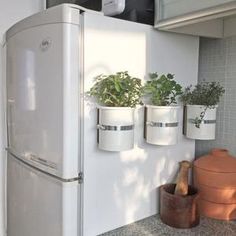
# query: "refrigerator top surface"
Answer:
x=64 y=13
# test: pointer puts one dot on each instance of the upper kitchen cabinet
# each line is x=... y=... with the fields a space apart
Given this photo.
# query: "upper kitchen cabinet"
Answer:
x=210 y=18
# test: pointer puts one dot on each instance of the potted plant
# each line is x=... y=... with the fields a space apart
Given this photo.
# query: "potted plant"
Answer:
x=200 y=109
x=118 y=94
x=162 y=114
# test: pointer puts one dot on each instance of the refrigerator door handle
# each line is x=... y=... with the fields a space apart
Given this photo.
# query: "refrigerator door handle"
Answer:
x=40 y=160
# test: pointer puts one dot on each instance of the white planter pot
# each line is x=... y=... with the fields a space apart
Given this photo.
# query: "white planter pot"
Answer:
x=115 y=128
x=162 y=125
x=207 y=127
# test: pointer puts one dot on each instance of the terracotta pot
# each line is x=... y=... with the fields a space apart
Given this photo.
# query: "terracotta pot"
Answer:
x=219 y=195
x=215 y=178
x=178 y=211
x=217 y=210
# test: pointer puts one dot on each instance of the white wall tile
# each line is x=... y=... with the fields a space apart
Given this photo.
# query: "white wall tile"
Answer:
x=217 y=62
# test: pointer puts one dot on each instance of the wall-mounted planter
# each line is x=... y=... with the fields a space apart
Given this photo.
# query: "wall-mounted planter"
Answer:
x=207 y=127
x=115 y=128
x=161 y=126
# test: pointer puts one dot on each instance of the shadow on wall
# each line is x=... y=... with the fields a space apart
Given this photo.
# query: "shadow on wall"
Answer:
x=144 y=187
x=138 y=173
x=126 y=184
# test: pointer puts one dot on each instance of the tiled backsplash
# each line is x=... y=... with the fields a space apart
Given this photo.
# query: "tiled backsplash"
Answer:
x=217 y=62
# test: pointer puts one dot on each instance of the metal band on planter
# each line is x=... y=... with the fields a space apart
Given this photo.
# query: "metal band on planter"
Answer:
x=192 y=121
x=160 y=124
x=115 y=128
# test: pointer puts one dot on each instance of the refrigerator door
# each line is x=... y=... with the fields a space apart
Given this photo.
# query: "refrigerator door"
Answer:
x=43 y=95
x=39 y=204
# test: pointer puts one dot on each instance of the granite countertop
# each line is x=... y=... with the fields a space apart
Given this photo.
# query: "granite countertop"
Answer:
x=153 y=226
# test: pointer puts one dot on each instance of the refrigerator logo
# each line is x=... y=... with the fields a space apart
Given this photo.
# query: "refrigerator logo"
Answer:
x=45 y=44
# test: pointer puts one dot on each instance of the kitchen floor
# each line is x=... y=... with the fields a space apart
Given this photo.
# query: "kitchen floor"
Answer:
x=152 y=226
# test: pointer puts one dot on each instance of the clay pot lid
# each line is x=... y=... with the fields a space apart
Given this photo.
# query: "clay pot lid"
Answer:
x=218 y=160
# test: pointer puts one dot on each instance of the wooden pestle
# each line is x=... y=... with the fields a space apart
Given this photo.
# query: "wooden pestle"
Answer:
x=182 y=179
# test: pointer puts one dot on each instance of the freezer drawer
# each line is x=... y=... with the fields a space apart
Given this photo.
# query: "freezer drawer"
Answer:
x=38 y=204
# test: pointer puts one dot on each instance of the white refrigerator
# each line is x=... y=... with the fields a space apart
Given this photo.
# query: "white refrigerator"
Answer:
x=44 y=173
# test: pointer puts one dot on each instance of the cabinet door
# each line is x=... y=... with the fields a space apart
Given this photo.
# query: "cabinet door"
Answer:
x=172 y=8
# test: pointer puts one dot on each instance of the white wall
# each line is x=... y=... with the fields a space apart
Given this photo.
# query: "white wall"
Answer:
x=11 y=11
x=120 y=188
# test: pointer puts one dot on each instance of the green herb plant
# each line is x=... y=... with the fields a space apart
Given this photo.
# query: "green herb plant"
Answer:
x=163 y=90
x=117 y=90
x=207 y=94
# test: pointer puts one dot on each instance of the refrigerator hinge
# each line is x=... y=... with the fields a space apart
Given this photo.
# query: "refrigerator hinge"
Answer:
x=81 y=177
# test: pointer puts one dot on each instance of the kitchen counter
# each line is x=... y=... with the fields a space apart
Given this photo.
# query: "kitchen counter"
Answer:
x=152 y=226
